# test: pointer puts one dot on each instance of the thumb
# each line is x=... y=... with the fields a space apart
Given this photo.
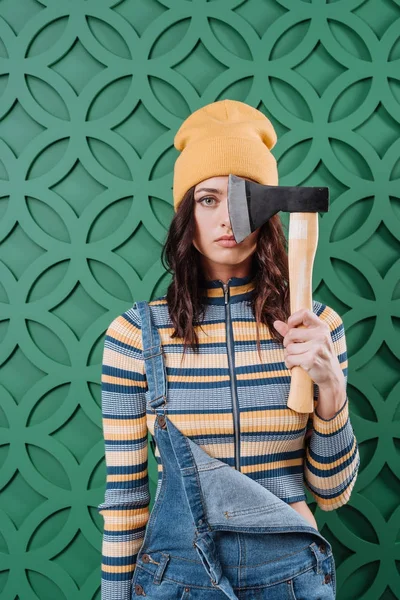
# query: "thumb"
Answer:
x=280 y=326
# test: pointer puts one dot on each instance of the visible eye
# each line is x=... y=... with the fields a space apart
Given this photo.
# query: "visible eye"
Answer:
x=205 y=198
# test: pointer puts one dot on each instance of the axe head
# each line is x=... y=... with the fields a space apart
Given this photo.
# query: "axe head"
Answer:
x=251 y=204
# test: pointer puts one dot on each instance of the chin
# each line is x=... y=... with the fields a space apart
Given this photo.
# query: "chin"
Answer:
x=229 y=260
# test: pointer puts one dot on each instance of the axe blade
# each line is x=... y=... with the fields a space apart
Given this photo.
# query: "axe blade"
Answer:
x=251 y=204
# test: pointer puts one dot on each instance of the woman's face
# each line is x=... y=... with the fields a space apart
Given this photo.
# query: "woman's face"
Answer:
x=212 y=221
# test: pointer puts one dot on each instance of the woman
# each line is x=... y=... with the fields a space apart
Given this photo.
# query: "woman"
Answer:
x=228 y=346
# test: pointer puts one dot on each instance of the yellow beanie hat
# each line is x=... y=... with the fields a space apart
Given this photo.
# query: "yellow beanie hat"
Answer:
x=224 y=137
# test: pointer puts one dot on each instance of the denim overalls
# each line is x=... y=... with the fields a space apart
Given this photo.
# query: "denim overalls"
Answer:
x=206 y=535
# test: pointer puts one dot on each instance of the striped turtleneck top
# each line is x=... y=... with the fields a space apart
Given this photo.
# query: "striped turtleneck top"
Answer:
x=226 y=400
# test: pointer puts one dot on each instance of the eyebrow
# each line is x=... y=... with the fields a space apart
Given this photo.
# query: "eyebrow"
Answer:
x=204 y=189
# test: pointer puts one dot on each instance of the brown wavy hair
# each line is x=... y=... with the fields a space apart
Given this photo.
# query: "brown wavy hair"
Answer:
x=270 y=300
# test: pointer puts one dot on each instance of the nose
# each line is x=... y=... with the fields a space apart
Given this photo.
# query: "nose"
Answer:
x=225 y=213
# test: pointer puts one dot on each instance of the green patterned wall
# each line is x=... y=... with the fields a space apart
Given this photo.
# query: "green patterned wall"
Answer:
x=91 y=95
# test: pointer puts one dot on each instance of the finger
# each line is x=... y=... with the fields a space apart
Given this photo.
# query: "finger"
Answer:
x=299 y=360
x=281 y=327
x=303 y=316
x=299 y=334
x=298 y=347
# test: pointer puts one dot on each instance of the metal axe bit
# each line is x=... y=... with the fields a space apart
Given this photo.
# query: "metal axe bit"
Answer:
x=250 y=205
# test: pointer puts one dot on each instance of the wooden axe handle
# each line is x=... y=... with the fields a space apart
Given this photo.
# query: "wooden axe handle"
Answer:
x=302 y=245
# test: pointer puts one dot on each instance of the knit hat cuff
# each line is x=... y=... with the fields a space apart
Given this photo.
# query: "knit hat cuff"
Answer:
x=222 y=155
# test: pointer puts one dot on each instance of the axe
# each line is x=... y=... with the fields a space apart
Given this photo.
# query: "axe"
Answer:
x=250 y=205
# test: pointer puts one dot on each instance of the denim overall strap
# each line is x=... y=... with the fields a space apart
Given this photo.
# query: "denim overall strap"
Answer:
x=153 y=356
x=155 y=368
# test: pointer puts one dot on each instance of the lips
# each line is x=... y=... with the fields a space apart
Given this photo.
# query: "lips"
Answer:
x=227 y=243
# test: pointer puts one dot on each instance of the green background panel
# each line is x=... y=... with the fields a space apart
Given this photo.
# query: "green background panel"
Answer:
x=91 y=95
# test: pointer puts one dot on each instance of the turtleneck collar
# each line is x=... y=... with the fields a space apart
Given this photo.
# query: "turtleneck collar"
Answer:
x=239 y=289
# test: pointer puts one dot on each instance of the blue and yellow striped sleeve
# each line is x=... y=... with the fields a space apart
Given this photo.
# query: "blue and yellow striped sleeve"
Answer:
x=125 y=509
x=332 y=456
